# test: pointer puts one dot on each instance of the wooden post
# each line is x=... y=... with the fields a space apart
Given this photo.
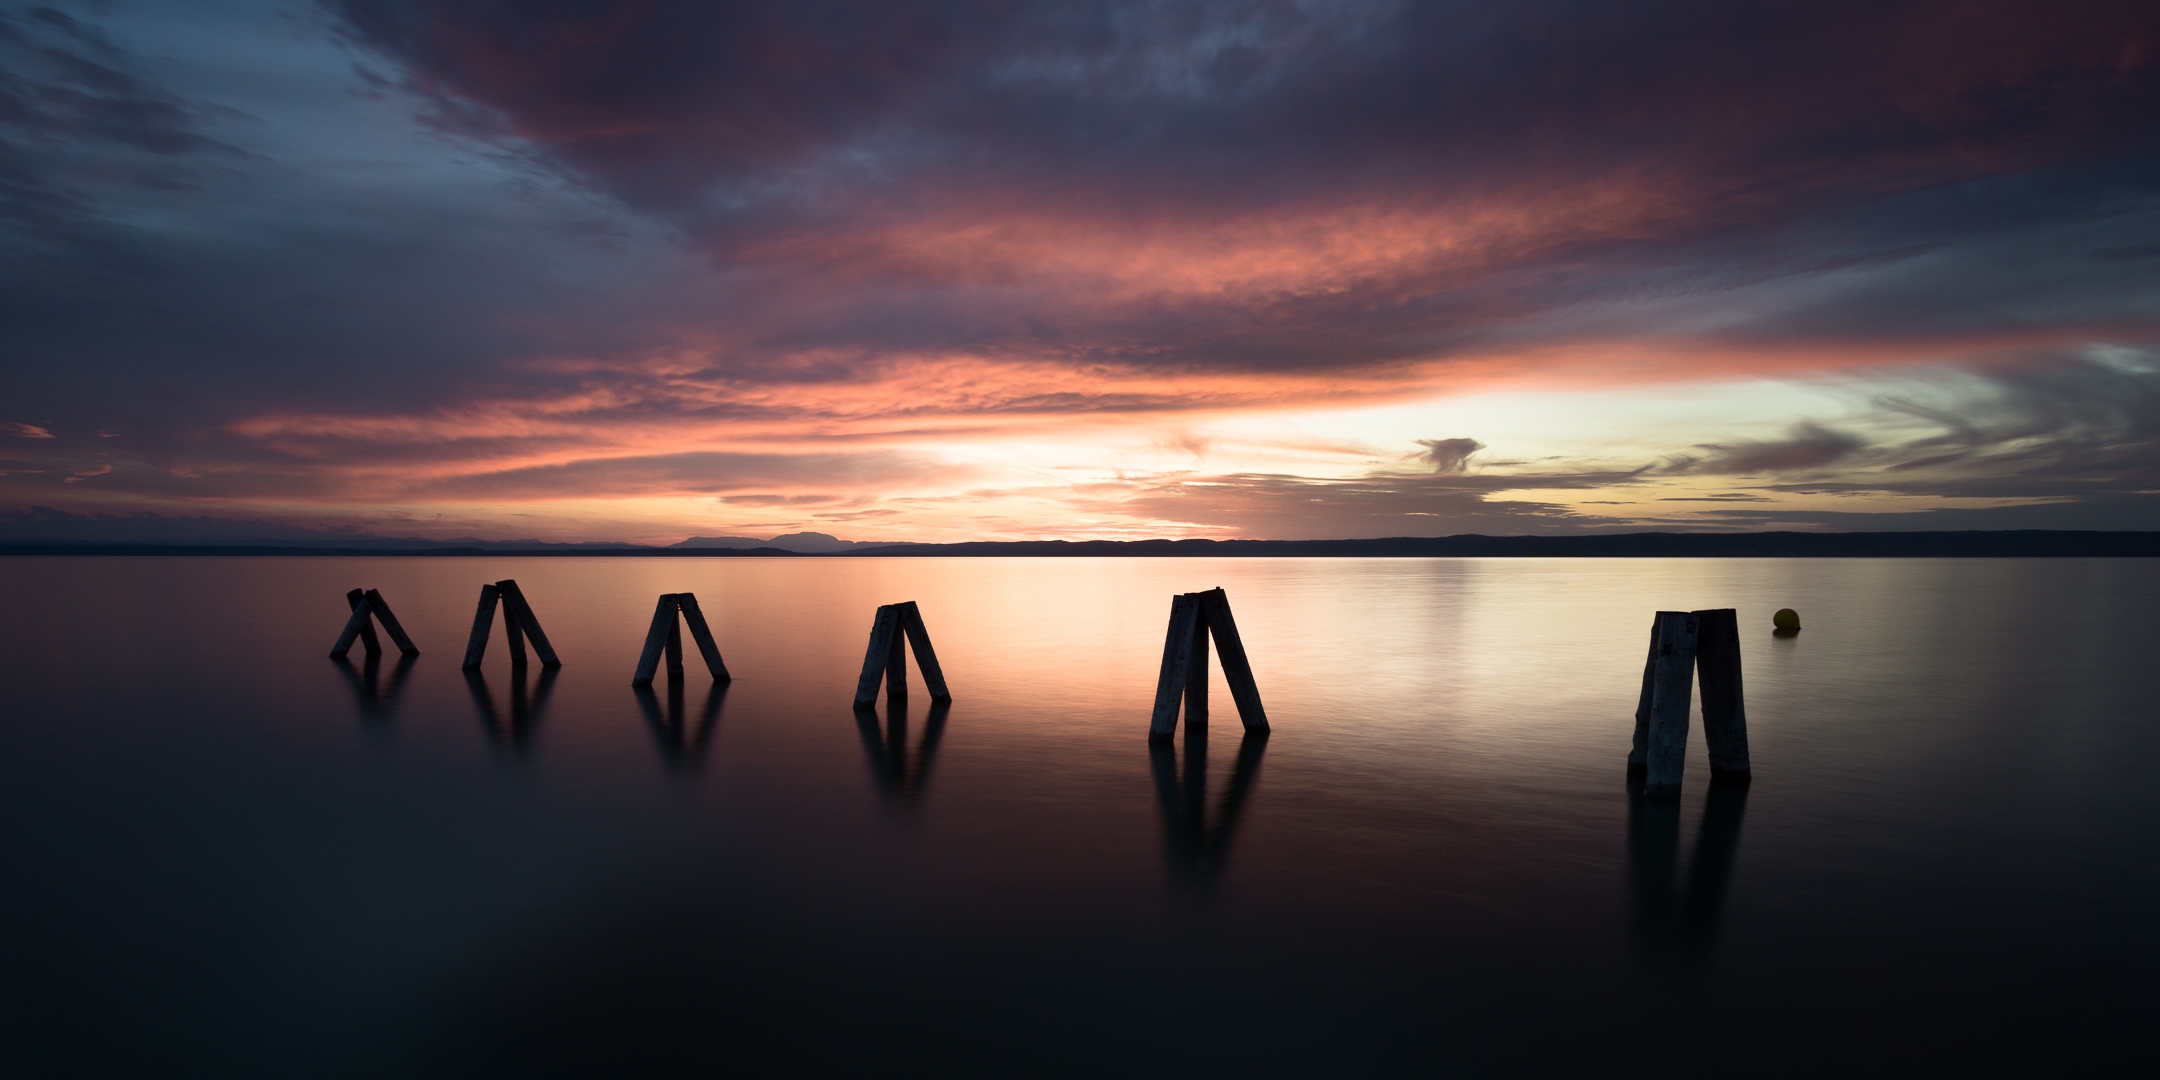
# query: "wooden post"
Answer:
x=516 y=608
x=1196 y=680
x=355 y=625
x=1170 y=683
x=1638 y=759
x=918 y=635
x=483 y=621
x=356 y=600
x=674 y=644
x=896 y=659
x=877 y=659
x=1237 y=670
x=512 y=632
x=1670 y=695
x=390 y=625
x=702 y=635
x=663 y=621
x=1724 y=709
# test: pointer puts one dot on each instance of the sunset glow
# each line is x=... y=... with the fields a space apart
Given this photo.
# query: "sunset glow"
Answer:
x=642 y=272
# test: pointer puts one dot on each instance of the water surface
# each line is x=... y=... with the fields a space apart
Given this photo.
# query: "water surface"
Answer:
x=223 y=854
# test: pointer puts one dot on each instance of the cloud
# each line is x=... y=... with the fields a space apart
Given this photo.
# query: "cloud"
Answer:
x=1292 y=507
x=1449 y=455
x=1266 y=186
x=71 y=112
x=842 y=255
x=1810 y=447
x=26 y=431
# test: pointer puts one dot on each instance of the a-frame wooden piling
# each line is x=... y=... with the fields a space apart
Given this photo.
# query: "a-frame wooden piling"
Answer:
x=520 y=625
x=356 y=603
x=896 y=627
x=664 y=637
x=1194 y=617
x=1685 y=645
x=367 y=607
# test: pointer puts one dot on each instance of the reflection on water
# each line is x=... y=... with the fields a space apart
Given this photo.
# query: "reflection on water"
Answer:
x=682 y=744
x=900 y=776
x=378 y=704
x=1198 y=845
x=1674 y=920
x=1947 y=856
x=528 y=705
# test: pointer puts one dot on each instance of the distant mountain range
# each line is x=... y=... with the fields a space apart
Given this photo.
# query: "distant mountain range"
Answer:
x=50 y=532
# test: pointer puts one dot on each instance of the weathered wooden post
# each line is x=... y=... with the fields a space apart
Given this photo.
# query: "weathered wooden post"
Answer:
x=664 y=636
x=519 y=625
x=514 y=604
x=1724 y=708
x=1193 y=617
x=483 y=621
x=1671 y=694
x=896 y=627
x=1681 y=643
x=366 y=607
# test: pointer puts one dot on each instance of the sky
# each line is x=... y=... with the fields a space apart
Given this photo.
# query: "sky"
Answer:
x=581 y=270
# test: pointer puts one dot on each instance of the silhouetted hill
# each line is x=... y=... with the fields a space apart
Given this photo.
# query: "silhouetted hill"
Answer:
x=2032 y=542
x=2007 y=544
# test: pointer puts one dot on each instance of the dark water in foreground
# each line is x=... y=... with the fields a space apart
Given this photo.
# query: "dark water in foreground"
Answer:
x=222 y=854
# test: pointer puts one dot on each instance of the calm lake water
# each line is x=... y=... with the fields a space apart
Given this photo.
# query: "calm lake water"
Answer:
x=223 y=854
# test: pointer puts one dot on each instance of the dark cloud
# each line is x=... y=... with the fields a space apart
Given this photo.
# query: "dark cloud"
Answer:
x=679 y=474
x=71 y=112
x=1449 y=455
x=2065 y=426
x=695 y=106
x=959 y=166
x=1810 y=447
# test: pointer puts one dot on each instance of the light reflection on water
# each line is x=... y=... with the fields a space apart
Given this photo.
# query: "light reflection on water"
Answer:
x=257 y=861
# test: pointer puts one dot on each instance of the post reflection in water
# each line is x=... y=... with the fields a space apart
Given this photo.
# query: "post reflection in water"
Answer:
x=378 y=705
x=1673 y=920
x=899 y=776
x=527 y=707
x=1199 y=849
x=681 y=745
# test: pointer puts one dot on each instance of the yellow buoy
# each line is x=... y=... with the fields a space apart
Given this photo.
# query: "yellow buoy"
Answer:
x=1786 y=619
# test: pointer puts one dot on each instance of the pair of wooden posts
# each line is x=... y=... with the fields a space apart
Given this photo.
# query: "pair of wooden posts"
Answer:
x=668 y=618
x=1193 y=616
x=896 y=627
x=519 y=623
x=1681 y=643
x=368 y=606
